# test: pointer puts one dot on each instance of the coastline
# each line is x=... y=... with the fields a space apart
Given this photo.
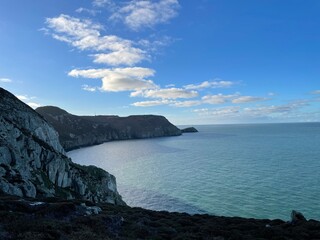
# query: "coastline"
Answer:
x=174 y=155
x=114 y=140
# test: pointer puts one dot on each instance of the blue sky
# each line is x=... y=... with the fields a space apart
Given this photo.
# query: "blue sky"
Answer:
x=195 y=62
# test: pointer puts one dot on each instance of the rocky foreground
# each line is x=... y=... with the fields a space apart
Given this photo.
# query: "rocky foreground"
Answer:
x=25 y=218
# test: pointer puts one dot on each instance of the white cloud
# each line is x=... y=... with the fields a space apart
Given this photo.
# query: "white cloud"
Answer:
x=28 y=100
x=246 y=99
x=218 y=98
x=275 y=109
x=85 y=35
x=225 y=111
x=165 y=93
x=128 y=56
x=210 y=84
x=33 y=105
x=316 y=92
x=151 y=103
x=234 y=98
x=73 y=28
x=119 y=79
x=102 y=3
x=137 y=14
x=169 y=102
x=86 y=10
x=88 y=88
x=22 y=97
x=5 y=80
x=252 y=114
x=201 y=110
x=155 y=43
x=186 y=103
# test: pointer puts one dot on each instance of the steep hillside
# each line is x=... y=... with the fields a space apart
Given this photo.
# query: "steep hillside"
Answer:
x=78 y=131
x=33 y=162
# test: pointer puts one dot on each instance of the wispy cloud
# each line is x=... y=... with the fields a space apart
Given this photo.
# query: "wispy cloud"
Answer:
x=247 y=99
x=155 y=43
x=276 y=109
x=139 y=14
x=316 y=92
x=152 y=103
x=179 y=93
x=230 y=113
x=189 y=103
x=165 y=93
x=210 y=84
x=88 y=88
x=119 y=79
x=87 y=10
x=221 y=112
x=5 y=80
x=169 y=102
x=218 y=98
x=102 y=3
x=234 y=98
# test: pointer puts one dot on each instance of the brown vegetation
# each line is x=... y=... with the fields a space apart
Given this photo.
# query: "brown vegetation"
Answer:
x=61 y=219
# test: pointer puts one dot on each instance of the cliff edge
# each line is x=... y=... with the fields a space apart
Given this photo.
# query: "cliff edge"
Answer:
x=79 y=131
x=33 y=162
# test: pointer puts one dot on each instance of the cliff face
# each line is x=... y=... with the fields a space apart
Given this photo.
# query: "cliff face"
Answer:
x=78 y=131
x=33 y=162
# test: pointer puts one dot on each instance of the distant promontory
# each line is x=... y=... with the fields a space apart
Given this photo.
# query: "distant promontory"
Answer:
x=80 y=131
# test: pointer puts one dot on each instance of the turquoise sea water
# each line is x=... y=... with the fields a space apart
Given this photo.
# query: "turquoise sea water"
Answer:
x=255 y=170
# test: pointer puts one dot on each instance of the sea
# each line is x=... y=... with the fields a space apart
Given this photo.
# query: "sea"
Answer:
x=247 y=170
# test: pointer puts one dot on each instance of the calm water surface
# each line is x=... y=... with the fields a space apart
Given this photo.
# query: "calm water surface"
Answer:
x=256 y=170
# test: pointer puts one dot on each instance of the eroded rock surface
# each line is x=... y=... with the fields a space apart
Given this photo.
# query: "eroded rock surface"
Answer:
x=33 y=162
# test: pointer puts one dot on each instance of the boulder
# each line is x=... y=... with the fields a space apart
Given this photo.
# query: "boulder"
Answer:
x=297 y=217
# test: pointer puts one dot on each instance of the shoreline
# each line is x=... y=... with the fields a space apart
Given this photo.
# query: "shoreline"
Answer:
x=117 y=140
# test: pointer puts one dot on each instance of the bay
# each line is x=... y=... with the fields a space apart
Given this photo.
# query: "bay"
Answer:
x=246 y=170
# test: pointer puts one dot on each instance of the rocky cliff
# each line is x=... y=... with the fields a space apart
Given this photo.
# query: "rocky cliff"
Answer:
x=79 y=131
x=33 y=162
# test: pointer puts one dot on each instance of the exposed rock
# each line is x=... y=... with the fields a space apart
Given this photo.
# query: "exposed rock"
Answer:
x=297 y=216
x=33 y=162
x=79 y=131
x=189 y=130
x=89 y=210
